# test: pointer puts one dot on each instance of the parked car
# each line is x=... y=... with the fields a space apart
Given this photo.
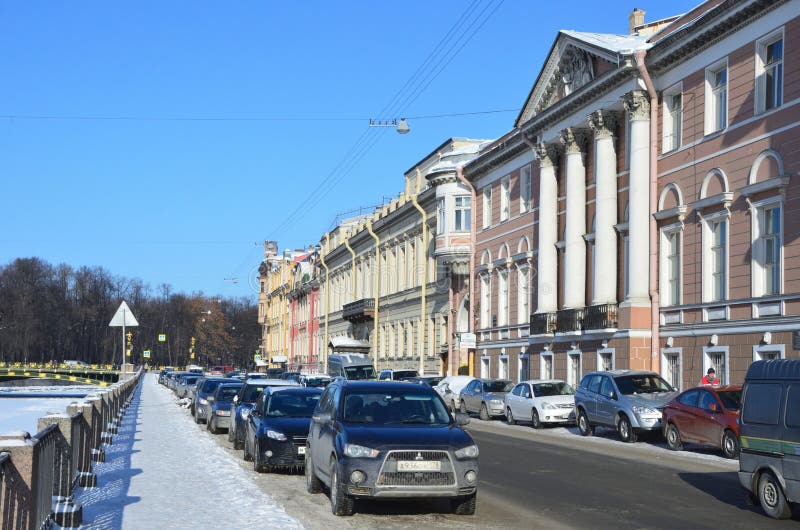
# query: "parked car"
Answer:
x=541 y=401
x=769 y=430
x=315 y=380
x=291 y=376
x=629 y=401
x=77 y=364
x=450 y=387
x=277 y=427
x=424 y=379
x=705 y=416
x=385 y=440
x=220 y=414
x=202 y=405
x=396 y=375
x=485 y=396
x=355 y=366
x=184 y=383
x=243 y=403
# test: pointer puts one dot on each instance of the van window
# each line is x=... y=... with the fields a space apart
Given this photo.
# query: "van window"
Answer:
x=762 y=403
x=793 y=406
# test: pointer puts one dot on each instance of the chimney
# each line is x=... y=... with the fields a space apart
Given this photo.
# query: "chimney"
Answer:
x=635 y=19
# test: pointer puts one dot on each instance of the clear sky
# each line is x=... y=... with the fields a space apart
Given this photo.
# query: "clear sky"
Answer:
x=166 y=140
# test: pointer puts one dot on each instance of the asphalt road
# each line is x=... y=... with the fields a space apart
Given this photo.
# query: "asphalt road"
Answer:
x=591 y=483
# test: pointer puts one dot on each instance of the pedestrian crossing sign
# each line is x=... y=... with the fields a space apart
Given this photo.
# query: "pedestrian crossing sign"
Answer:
x=146 y=354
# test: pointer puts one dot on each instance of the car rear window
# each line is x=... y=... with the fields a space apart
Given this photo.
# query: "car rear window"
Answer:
x=553 y=389
x=762 y=404
x=641 y=384
x=497 y=386
x=227 y=393
x=732 y=399
x=251 y=392
x=284 y=405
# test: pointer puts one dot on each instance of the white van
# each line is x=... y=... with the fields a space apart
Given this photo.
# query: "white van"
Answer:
x=355 y=366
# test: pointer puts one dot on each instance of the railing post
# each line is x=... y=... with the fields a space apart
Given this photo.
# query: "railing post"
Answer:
x=19 y=501
x=81 y=415
x=65 y=511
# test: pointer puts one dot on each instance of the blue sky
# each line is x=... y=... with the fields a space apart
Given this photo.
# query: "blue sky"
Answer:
x=167 y=140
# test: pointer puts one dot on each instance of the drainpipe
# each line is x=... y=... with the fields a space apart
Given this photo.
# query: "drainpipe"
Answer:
x=654 y=314
x=377 y=295
x=324 y=349
x=424 y=283
x=353 y=266
x=473 y=219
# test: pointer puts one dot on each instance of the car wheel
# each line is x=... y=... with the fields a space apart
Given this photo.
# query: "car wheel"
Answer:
x=484 y=413
x=246 y=456
x=625 y=430
x=510 y=417
x=212 y=427
x=584 y=426
x=237 y=444
x=313 y=484
x=257 y=467
x=197 y=419
x=230 y=433
x=730 y=444
x=341 y=503
x=536 y=423
x=771 y=497
x=463 y=407
x=464 y=505
x=673 y=438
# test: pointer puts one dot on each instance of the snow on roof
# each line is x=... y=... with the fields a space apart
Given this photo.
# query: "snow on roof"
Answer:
x=609 y=41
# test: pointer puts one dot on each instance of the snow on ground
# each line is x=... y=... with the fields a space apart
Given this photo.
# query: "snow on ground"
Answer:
x=160 y=474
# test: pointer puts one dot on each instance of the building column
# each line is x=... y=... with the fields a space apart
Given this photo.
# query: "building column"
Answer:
x=547 y=273
x=638 y=107
x=574 y=142
x=604 y=123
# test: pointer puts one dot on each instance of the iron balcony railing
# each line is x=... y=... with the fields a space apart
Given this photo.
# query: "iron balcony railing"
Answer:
x=359 y=310
x=570 y=320
x=542 y=323
x=603 y=316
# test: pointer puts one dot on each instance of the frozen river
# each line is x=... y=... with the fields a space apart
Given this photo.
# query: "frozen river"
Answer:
x=21 y=407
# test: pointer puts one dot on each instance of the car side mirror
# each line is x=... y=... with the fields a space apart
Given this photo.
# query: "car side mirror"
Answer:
x=235 y=400
x=322 y=417
x=462 y=419
x=614 y=396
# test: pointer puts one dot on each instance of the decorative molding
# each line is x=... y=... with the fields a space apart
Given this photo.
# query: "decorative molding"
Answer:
x=723 y=199
x=637 y=104
x=547 y=154
x=774 y=183
x=603 y=123
x=574 y=140
x=678 y=211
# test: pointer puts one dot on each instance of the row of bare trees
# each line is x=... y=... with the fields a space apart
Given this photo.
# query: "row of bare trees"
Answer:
x=53 y=313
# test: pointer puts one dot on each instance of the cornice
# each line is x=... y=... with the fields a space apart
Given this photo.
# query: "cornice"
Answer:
x=494 y=158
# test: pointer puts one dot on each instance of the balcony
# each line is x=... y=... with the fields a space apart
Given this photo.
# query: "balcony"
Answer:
x=569 y=320
x=603 y=316
x=543 y=323
x=359 y=311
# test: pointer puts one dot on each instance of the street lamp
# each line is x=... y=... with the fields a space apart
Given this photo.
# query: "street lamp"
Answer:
x=401 y=126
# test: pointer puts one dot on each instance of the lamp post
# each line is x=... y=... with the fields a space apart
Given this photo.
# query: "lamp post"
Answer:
x=401 y=126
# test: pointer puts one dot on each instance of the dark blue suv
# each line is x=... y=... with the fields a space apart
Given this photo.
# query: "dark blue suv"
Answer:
x=389 y=440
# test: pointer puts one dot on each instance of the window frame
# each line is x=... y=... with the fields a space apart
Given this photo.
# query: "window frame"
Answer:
x=487 y=207
x=672 y=352
x=525 y=183
x=723 y=375
x=708 y=246
x=441 y=218
x=761 y=68
x=503 y=297
x=713 y=121
x=542 y=363
x=666 y=271
x=603 y=352
x=758 y=244
x=505 y=198
x=670 y=116
x=465 y=209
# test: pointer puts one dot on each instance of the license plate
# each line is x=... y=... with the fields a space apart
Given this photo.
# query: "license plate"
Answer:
x=301 y=450
x=419 y=465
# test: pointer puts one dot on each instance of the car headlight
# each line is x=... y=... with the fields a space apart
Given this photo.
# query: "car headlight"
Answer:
x=359 y=451
x=643 y=410
x=495 y=402
x=245 y=413
x=275 y=435
x=470 y=451
x=546 y=405
x=203 y=401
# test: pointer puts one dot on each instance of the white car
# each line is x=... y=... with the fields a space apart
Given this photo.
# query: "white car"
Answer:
x=450 y=387
x=541 y=401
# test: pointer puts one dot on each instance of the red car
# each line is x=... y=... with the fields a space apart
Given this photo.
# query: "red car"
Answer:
x=704 y=415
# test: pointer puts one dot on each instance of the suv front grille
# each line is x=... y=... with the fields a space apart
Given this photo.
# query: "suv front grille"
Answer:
x=389 y=476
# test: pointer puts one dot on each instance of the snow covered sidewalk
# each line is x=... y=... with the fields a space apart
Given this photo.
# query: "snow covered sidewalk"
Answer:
x=160 y=474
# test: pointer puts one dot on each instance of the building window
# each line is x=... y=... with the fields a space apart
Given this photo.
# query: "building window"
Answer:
x=525 y=189
x=605 y=359
x=487 y=206
x=502 y=367
x=463 y=214
x=671 y=266
x=523 y=368
x=673 y=117
x=523 y=294
x=769 y=72
x=502 y=300
x=716 y=358
x=486 y=300
x=716 y=99
x=546 y=367
x=715 y=258
x=671 y=366
x=767 y=248
x=485 y=366
x=768 y=352
x=441 y=225
x=573 y=367
x=505 y=198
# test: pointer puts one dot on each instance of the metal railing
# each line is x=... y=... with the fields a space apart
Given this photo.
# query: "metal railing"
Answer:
x=542 y=323
x=603 y=316
x=570 y=320
x=360 y=309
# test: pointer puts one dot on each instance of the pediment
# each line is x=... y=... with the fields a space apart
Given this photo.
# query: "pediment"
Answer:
x=576 y=59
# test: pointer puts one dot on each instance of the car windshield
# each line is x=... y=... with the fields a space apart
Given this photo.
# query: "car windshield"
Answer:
x=497 y=386
x=191 y=380
x=209 y=386
x=251 y=393
x=642 y=384
x=295 y=405
x=359 y=372
x=553 y=389
x=317 y=382
x=227 y=393
x=732 y=399
x=395 y=406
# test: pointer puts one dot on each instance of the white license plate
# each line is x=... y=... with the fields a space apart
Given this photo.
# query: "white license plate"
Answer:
x=418 y=465
x=301 y=450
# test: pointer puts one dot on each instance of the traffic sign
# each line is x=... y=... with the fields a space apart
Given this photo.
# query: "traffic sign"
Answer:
x=467 y=340
x=256 y=357
x=162 y=337
x=146 y=354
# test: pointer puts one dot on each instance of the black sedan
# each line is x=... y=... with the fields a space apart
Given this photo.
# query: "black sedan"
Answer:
x=277 y=427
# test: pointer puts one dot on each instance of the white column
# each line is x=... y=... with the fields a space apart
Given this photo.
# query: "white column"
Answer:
x=604 y=123
x=574 y=142
x=547 y=268
x=638 y=107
